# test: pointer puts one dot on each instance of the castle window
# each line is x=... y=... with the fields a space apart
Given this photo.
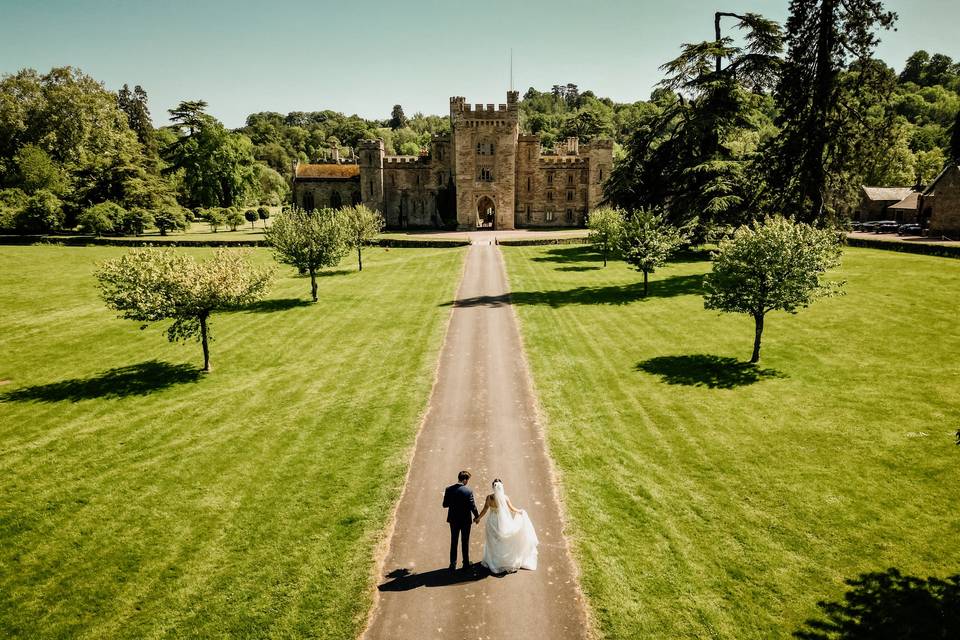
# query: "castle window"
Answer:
x=550 y=196
x=440 y=179
x=418 y=178
x=528 y=214
x=528 y=183
x=529 y=153
x=393 y=179
x=549 y=215
x=569 y=178
x=600 y=176
x=569 y=196
x=550 y=177
x=569 y=215
x=486 y=175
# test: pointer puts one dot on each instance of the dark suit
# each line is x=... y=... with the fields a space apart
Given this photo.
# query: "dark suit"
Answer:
x=461 y=509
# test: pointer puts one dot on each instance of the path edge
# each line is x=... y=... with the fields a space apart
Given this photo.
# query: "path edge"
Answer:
x=556 y=476
x=386 y=537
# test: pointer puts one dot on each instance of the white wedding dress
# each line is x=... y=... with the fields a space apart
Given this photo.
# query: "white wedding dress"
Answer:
x=511 y=542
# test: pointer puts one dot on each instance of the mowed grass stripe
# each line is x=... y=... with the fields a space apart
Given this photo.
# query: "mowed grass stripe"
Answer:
x=246 y=503
x=710 y=501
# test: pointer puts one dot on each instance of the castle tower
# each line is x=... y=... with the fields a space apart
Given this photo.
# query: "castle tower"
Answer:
x=371 y=174
x=484 y=160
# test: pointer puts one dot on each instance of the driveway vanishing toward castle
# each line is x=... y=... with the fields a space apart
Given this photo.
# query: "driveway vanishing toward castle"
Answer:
x=482 y=417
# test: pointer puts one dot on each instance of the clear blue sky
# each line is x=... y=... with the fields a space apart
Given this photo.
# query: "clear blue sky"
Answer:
x=363 y=56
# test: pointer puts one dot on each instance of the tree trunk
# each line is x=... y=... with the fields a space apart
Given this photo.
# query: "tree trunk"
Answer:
x=716 y=31
x=359 y=257
x=758 y=321
x=604 y=257
x=163 y=231
x=313 y=283
x=645 y=283
x=205 y=341
x=821 y=103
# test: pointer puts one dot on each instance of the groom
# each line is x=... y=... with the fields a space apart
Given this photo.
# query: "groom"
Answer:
x=461 y=511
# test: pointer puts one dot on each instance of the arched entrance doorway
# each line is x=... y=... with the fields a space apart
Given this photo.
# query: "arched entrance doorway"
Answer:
x=486 y=213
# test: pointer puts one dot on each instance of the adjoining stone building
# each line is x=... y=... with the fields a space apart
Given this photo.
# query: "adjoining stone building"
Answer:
x=886 y=203
x=939 y=205
x=484 y=174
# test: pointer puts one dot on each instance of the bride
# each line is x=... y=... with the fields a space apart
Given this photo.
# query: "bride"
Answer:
x=511 y=543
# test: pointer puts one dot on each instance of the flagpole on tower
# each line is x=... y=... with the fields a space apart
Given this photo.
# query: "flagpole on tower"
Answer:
x=511 y=68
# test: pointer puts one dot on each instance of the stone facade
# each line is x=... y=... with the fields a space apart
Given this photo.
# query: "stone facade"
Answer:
x=940 y=204
x=484 y=174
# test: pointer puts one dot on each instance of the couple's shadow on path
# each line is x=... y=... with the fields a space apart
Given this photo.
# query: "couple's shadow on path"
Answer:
x=405 y=580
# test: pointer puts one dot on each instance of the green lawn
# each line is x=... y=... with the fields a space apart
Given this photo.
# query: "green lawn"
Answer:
x=709 y=499
x=140 y=499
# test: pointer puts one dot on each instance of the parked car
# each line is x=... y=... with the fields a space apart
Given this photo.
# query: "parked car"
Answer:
x=888 y=226
x=869 y=227
x=910 y=230
x=856 y=225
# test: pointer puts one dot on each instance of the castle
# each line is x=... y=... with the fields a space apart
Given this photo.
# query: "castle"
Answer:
x=484 y=174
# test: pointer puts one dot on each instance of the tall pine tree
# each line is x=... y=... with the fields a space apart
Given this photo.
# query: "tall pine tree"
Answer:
x=808 y=163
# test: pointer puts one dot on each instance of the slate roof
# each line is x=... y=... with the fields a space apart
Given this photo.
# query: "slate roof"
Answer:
x=328 y=171
x=886 y=194
x=908 y=204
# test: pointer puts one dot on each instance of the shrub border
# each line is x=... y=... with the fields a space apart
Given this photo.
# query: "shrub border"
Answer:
x=172 y=241
x=939 y=250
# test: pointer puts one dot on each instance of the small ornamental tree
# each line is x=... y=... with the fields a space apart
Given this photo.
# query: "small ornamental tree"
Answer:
x=135 y=221
x=149 y=285
x=647 y=241
x=215 y=218
x=234 y=218
x=264 y=214
x=309 y=240
x=102 y=218
x=363 y=225
x=774 y=265
x=170 y=218
x=251 y=216
x=606 y=225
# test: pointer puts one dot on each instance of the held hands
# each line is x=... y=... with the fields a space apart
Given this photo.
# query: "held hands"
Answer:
x=476 y=520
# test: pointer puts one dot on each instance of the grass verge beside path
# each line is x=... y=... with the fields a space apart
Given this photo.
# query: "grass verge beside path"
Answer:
x=141 y=499
x=712 y=499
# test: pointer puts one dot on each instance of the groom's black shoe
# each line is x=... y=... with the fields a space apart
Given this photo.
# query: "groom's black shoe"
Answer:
x=467 y=566
x=453 y=567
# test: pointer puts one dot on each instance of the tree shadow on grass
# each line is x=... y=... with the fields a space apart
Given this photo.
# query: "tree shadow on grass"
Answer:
x=571 y=253
x=580 y=268
x=611 y=294
x=405 y=580
x=133 y=380
x=703 y=370
x=888 y=605
x=283 y=304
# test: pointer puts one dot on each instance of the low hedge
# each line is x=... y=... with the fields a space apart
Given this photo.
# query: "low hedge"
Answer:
x=173 y=241
x=532 y=242
x=922 y=248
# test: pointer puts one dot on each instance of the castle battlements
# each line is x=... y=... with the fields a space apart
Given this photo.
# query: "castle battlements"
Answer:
x=402 y=159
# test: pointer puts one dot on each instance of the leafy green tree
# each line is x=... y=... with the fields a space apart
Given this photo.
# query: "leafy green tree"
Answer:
x=363 y=225
x=135 y=221
x=150 y=285
x=12 y=203
x=36 y=170
x=774 y=265
x=606 y=225
x=215 y=217
x=217 y=165
x=102 y=218
x=170 y=218
x=264 y=214
x=309 y=241
x=234 y=218
x=647 y=240
x=43 y=213
x=251 y=217
x=914 y=67
x=955 y=139
x=397 y=119
x=820 y=135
